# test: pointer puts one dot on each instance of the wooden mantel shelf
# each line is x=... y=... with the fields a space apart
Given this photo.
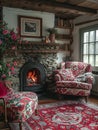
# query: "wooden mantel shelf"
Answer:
x=39 y=44
x=36 y=47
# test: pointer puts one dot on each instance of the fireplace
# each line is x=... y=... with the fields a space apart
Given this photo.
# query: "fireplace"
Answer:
x=32 y=77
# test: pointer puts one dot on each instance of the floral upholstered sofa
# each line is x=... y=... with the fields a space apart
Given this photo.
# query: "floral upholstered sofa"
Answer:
x=74 y=78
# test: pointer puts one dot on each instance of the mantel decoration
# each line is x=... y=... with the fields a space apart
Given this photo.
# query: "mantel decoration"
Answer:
x=52 y=32
x=8 y=38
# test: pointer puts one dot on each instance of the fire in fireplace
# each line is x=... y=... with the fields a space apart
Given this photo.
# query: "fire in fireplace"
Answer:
x=32 y=77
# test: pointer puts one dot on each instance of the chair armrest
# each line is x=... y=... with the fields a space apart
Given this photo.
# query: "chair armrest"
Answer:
x=64 y=75
x=58 y=77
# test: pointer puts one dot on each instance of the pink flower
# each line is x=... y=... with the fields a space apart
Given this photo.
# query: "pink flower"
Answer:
x=12 y=68
x=15 y=63
x=8 y=65
x=0 y=41
x=13 y=36
x=5 y=32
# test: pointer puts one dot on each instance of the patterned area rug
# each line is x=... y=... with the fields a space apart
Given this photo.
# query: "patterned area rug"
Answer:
x=64 y=116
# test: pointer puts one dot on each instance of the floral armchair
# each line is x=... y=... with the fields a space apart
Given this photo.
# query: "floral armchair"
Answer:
x=19 y=105
x=74 y=78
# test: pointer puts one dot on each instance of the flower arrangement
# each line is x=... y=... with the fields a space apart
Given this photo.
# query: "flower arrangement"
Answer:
x=7 y=69
x=7 y=37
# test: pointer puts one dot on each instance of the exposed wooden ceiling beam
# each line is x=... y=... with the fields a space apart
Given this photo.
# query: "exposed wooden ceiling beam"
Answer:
x=52 y=3
x=63 y=9
x=68 y=6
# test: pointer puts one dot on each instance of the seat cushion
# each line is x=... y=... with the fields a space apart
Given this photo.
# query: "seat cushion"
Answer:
x=73 y=88
x=70 y=91
x=64 y=74
x=74 y=85
x=3 y=89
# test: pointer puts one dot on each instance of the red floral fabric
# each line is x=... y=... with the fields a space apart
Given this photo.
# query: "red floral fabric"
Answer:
x=3 y=89
x=74 y=78
x=77 y=67
x=64 y=74
x=20 y=105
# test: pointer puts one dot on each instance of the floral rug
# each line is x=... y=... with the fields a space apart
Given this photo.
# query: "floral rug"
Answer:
x=69 y=115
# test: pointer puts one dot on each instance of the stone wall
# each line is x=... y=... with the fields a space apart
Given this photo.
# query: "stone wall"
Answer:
x=48 y=60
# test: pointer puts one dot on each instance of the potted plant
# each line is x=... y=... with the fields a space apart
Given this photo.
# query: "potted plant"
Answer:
x=52 y=32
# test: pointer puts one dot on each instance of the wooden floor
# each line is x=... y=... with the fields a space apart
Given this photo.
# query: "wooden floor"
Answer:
x=91 y=99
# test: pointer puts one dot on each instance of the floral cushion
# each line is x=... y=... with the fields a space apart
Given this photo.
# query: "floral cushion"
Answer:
x=64 y=74
x=3 y=89
x=76 y=67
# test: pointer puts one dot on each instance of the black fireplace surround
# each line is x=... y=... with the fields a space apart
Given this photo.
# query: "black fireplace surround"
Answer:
x=39 y=87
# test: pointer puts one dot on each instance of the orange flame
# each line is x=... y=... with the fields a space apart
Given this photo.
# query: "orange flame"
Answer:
x=32 y=76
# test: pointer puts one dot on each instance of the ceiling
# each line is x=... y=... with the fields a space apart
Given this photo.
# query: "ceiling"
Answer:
x=68 y=9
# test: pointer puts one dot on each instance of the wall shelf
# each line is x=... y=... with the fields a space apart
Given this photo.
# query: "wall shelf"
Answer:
x=65 y=26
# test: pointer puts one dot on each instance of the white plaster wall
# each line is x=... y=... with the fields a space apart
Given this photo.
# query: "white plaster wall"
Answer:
x=10 y=15
x=76 y=40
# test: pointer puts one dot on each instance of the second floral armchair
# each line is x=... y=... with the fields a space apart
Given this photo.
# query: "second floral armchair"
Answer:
x=74 y=78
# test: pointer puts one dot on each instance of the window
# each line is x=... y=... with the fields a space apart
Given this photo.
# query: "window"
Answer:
x=89 y=45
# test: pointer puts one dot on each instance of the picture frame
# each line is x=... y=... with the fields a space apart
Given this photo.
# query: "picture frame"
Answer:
x=30 y=26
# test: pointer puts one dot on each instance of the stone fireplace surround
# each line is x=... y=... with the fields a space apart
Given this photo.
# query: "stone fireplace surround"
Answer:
x=48 y=60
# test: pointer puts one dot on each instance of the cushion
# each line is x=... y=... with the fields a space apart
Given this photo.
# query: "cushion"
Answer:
x=65 y=74
x=3 y=89
x=76 y=67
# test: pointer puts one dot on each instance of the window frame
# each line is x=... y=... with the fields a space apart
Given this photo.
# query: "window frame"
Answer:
x=81 y=32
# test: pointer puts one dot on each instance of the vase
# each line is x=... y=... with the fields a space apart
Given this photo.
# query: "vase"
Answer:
x=52 y=38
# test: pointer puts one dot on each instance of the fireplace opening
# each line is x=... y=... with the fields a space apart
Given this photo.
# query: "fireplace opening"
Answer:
x=32 y=77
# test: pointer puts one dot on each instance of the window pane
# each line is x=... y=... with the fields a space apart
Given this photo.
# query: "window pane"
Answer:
x=92 y=36
x=96 y=60
x=91 y=60
x=85 y=58
x=85 y=37
x=96 y=48
x=91 y=48
x=96 y=35
x=85 y=49
x=89 y=45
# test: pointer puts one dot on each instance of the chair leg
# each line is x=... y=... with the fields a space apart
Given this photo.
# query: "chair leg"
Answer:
x=86 y=98
x=20 y=126
x=36 y=111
